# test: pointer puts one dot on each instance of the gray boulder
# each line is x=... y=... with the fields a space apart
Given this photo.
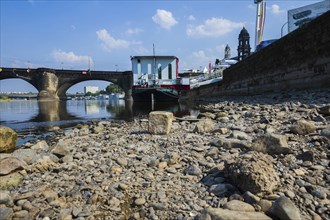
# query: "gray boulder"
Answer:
x=303 y=127
x=284 y=209
x=225 y=214
x=253 y=172
x=271 y=144
x=160 y=122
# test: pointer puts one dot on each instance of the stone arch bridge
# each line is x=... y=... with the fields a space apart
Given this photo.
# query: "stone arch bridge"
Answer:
x=52 y=84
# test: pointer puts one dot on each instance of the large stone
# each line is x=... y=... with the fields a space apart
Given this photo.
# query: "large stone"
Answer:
x=8 y=139
x=160 y=122
x=10 y=181
x=326 y=132
x=43 y=164
x=237 y=205
x=230 y=143
x=225 y=214
x=223 y=189
x=10 y=164
x=61 y=149
x=253 y=172
x=250 y=198
x=271 y=144
x=28 y=155
x=193 y=170
x=40 y=145
x=5 y=198
x=283 y=208
x=6 y=213
x=303 y=127
x=325 y=110
x=205 y=125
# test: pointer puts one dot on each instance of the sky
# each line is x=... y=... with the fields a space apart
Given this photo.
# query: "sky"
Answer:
x=102 y=35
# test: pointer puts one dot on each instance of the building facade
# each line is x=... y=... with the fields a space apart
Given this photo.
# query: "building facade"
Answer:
x=91 y=89
x=244 y=49
x=148 y=69
x=227 y=52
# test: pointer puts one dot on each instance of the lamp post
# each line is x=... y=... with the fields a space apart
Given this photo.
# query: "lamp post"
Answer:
x=282 y=28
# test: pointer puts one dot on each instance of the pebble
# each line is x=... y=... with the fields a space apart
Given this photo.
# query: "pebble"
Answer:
x=120 y=171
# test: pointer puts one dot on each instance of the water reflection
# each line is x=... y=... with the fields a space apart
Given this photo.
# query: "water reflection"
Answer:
x=37 y=116
x=52 y=111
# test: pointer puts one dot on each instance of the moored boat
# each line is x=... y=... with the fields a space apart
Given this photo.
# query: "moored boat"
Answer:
x=155 y=78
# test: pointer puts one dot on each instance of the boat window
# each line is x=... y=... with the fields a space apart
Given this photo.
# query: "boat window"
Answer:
x=170 y=71
x=139 y=68
x=159 y=71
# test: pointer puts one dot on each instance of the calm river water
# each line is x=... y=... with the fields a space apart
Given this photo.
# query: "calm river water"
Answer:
x=30 y=119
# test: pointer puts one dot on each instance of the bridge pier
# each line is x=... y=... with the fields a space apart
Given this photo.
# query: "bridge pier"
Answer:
x=47 y=84
x=128 y=95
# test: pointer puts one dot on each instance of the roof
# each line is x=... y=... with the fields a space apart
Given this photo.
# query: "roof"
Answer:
x=151 y=57
x=244 y=32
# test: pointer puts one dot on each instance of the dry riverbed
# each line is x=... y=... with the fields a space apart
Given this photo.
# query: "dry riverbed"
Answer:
x=261 y=157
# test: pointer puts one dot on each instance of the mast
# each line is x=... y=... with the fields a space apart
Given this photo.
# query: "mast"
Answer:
x=260 y=20
x=154 y=64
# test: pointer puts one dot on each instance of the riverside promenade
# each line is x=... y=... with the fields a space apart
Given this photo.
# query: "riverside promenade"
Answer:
x=256 y=157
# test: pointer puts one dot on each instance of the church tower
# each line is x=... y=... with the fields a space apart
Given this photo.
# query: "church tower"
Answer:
x=244 y=48
x=227 y=52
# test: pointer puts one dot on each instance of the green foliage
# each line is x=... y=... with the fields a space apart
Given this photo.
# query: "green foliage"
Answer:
x=113 y=88
x=92 y=94
x=4 y=98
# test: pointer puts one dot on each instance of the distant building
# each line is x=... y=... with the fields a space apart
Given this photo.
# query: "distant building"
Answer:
x=227 y=52
x=91 y=89
x=244 y=48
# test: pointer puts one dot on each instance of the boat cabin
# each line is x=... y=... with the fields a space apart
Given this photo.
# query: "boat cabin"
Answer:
x=154 y=70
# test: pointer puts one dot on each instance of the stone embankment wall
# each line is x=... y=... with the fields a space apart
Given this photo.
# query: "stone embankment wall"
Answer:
x=299 y=60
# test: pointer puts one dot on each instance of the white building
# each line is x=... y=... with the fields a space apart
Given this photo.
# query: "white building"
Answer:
x=91 y=89
x=147 y=69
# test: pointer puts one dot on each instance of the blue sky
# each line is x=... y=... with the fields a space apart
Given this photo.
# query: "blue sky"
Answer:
x=103 y=35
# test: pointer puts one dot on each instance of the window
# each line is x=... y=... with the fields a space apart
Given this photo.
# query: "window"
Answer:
x=159 y=71
x=170 y=71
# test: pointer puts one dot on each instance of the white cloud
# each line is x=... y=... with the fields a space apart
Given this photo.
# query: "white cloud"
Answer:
x=191 y=18
x=220 y=48
x=108 y=42
x=131 y=31
x=251 y=6
x=70 y=57
x=164 y=18
x=199 y=59
x=140 y=50
x=213 y=27
x=275 y=9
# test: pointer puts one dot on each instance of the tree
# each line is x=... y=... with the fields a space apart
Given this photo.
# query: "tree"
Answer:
x=113 y=88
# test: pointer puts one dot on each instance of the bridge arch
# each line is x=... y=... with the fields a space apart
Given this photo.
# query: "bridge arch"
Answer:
x=19 y=83
x=62 y=90
x=52 y=84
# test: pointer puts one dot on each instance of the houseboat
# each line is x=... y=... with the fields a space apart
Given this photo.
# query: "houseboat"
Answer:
x=156 y=78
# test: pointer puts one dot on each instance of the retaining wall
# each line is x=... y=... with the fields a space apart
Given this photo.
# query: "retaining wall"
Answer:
x=299 y=60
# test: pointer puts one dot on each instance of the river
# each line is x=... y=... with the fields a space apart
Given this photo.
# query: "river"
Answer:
x=32 y=119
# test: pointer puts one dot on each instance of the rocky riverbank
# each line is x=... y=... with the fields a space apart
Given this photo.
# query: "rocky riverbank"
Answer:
x=261 y=157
